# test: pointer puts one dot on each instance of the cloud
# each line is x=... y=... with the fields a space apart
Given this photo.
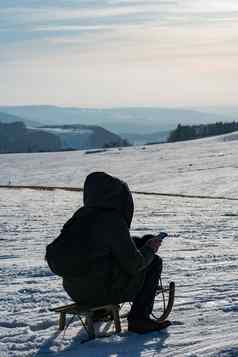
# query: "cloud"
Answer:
x=127 y=42
x=75 y=16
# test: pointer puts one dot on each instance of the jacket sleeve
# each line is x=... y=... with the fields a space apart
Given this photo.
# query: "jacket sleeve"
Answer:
x=140 y=241
x=124 y=249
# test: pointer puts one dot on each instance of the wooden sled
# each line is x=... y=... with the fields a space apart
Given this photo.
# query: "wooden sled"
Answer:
x=87 y=312
x=113 y=312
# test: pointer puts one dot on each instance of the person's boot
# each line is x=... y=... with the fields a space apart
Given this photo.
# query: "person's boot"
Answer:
x=146 y=325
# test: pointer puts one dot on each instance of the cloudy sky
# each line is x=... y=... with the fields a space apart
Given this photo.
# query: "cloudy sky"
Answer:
x=98 y=53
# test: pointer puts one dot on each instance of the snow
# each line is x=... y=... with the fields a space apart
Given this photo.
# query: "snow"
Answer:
x=200 y=255
x=66 y=130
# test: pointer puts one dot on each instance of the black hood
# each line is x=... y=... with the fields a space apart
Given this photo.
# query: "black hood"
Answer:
x=105 y=191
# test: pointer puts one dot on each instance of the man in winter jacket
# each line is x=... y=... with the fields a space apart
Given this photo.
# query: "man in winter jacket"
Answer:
x=111 y=269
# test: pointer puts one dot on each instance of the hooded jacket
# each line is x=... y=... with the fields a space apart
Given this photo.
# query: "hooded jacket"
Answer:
x=113 y=268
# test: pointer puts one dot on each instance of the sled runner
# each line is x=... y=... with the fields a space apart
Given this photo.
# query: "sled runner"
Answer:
x=165 y=297
x=112 y=312
x=167 y=308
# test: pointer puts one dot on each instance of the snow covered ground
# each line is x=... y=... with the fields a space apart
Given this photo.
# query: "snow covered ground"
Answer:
x=206 y=166
x=200 y=255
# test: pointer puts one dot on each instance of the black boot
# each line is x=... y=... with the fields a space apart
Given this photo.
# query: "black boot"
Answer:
x=147 y=325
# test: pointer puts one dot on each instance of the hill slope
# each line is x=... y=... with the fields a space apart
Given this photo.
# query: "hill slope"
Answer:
x=16 y=138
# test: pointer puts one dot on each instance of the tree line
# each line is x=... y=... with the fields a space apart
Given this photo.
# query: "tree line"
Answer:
x=189 y=132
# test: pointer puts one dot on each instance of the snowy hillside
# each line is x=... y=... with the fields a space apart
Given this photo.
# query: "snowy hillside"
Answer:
x=200 y=255
x=202 y=167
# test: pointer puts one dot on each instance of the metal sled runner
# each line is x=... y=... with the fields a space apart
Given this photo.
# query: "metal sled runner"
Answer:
x=86 y=314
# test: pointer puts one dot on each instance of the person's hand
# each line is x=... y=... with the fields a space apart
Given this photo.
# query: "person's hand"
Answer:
x=154 y=244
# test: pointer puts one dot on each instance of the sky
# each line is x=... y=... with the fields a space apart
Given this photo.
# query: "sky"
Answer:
x=114 y=53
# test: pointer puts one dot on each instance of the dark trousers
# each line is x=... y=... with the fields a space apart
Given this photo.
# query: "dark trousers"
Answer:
x=143 y=302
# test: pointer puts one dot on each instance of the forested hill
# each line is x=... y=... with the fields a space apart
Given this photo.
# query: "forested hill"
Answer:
x=188 y=132
x=80 y=137
x=16 y=138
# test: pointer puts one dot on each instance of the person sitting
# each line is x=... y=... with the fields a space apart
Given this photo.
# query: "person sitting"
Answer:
x=108 y=266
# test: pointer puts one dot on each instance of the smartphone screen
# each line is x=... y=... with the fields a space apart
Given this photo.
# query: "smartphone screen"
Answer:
x=162 y=235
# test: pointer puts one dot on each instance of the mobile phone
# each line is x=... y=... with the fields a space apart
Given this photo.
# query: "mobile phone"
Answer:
x=162 y=235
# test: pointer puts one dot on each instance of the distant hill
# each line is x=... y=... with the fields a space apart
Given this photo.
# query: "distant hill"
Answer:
x=85 y=136
x=138 y=120
x=74 y=136
x=16 y=138
x=9 y=118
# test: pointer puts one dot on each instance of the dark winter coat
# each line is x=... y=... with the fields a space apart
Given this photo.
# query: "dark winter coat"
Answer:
x=113 y=268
